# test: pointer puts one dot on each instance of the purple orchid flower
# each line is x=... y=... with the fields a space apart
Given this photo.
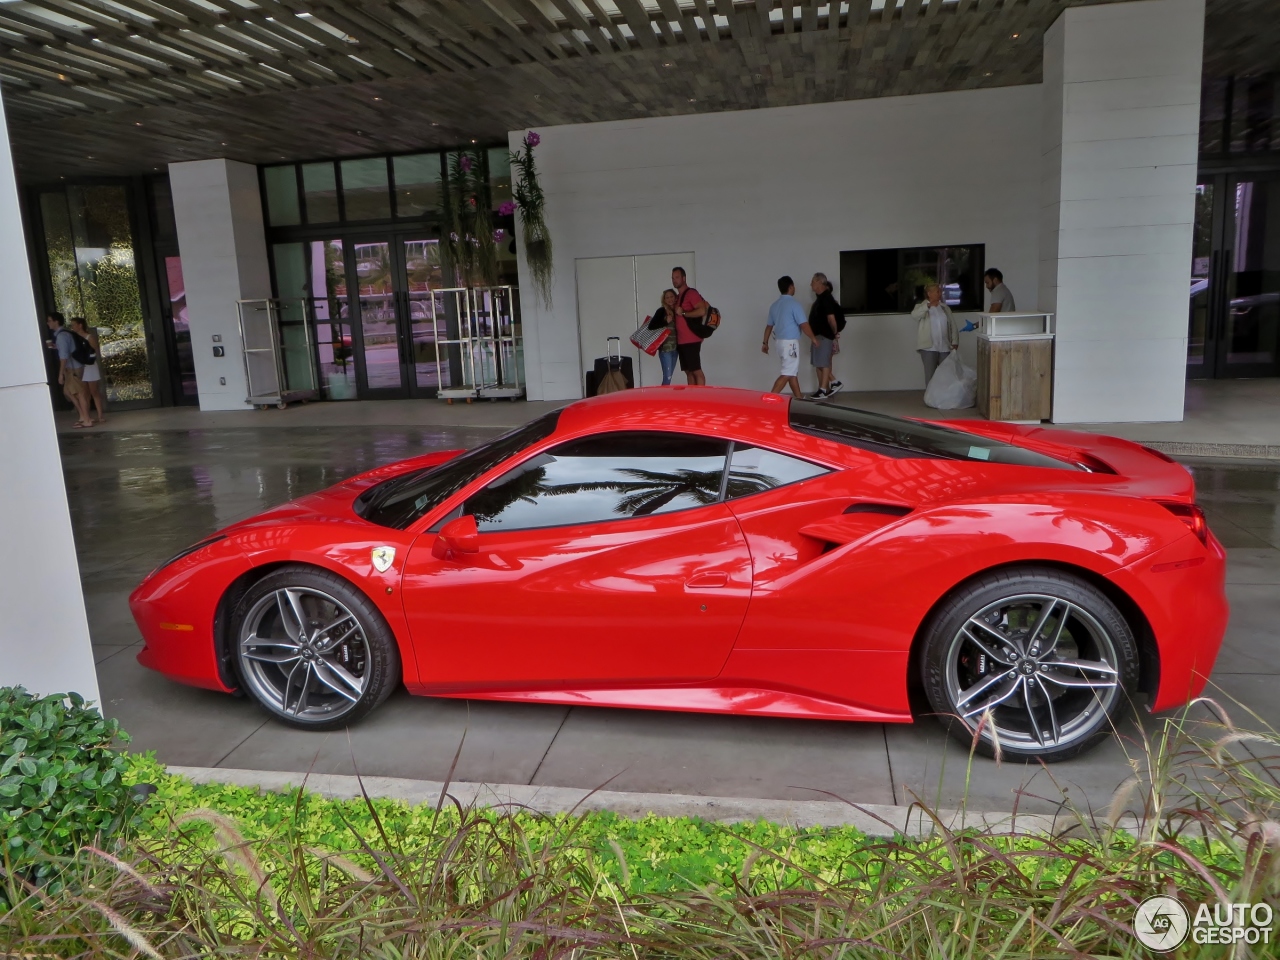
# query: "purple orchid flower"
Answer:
x=532 y=139
x=508 y=208
x=465 y=163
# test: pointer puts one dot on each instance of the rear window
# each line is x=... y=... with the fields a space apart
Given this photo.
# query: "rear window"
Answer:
x=400 y=501
x=895 y=437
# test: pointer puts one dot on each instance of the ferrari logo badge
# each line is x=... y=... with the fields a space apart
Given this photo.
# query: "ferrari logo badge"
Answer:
x=383 y=557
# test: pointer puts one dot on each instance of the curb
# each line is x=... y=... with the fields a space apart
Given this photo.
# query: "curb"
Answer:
x=1227 y=451
x=873 y=819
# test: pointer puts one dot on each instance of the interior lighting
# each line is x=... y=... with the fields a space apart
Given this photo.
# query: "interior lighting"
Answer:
x=1016 y=36
x=137 y=123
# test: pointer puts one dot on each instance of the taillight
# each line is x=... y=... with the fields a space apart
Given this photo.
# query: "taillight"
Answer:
x=1191 y=515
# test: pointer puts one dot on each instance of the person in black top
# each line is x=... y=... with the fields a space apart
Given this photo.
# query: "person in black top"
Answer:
x=825 y=319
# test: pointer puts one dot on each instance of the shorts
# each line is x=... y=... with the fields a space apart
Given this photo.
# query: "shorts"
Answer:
x=789 y=351
x=820 y=352
x=690 y=356
x=72 y=386
x=91 y=374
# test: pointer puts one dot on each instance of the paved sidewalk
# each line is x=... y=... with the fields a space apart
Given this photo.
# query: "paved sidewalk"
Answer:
x=1224 y=418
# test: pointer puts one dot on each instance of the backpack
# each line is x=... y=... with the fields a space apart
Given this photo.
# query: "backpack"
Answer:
x=840 y=320
x=83 y=352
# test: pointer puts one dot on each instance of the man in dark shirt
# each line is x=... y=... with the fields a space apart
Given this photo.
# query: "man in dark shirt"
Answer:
x=824 y=321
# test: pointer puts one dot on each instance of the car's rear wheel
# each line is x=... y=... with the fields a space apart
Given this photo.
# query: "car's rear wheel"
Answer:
x=312 y=649
x=1036 y=660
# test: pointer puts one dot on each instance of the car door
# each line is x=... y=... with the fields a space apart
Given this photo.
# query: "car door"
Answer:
x=609 y=559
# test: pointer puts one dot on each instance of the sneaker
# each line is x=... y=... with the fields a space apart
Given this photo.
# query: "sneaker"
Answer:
x=819 y=395
x=834 y=388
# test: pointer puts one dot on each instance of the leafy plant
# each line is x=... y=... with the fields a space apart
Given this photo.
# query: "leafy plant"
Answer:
x=531 y=202
x=61 y=778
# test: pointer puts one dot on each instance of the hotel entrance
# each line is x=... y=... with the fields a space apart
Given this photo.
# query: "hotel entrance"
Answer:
x=377 y=306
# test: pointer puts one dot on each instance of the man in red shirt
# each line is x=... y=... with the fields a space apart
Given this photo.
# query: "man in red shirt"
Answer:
x=689 y=304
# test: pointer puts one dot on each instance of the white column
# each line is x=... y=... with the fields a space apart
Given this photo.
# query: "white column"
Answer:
x=1120 y=144
x=44 y=633
x=221 y=236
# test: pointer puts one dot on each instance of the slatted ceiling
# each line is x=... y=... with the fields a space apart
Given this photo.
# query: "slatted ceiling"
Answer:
x=298 y=78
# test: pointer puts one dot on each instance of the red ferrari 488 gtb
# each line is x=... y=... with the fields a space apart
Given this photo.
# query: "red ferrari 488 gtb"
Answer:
x=712 y=549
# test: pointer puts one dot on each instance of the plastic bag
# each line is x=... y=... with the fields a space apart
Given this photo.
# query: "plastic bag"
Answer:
x=953 y=385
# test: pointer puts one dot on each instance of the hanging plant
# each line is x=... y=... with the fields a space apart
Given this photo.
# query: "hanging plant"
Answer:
x=469 y=223
x=531 y=203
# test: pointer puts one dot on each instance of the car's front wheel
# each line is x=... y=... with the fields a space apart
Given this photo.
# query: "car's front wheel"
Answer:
x=312 y=649
x=1036 y=660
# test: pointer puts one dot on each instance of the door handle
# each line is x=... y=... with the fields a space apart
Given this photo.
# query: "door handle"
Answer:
x=707 y=579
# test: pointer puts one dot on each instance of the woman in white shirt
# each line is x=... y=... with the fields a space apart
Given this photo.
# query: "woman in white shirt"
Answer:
x=936 y=331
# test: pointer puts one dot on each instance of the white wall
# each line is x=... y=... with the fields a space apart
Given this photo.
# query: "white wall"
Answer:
x=44 y=634
x=221 y=236
x=1121 y=112
x=760 y=193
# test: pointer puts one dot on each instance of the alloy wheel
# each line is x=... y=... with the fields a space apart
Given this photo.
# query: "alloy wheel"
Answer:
x=304 y=653
x=1039 y=669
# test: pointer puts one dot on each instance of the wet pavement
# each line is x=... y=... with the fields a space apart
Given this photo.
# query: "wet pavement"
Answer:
x=138 y=496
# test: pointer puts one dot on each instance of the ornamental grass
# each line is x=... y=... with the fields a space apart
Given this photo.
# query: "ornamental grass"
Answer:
x=218 y=871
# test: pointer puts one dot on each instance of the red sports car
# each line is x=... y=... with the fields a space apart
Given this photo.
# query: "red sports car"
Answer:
x=712 y=549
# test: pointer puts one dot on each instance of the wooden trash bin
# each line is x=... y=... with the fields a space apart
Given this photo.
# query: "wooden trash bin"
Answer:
x=1015 y=367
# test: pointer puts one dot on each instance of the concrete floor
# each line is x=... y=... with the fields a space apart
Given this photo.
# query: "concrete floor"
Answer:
x=139 y=493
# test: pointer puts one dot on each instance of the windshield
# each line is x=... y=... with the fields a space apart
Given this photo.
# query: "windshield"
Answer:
x=892 y=437
x=400 y=501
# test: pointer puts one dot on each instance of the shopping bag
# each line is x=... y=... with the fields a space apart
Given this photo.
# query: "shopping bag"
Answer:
x=650 y=341
x=953 y=386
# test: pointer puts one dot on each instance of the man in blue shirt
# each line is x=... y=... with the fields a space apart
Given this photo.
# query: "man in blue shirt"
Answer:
x=786 y=322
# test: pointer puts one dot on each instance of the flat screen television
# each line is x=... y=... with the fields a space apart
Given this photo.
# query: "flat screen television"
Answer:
x=892 y=280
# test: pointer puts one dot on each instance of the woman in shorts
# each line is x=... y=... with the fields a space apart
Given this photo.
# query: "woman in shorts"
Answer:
x=91 y=375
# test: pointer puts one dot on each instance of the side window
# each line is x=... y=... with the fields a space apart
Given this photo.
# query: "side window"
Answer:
x=607 y=477
x=754 y=470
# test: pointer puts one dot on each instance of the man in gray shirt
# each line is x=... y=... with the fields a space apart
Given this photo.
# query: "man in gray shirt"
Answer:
x=1001 y=298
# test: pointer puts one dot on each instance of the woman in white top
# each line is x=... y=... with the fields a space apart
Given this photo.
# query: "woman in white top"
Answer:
x=92 y=373
x=936 y=331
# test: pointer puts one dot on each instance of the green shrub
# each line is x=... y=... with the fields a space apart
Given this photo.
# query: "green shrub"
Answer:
x=61 y=783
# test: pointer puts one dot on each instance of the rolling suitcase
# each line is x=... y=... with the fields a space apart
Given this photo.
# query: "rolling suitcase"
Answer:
x=622 y=368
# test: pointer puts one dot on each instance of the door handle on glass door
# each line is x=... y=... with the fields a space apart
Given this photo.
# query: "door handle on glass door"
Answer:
x=708 y=578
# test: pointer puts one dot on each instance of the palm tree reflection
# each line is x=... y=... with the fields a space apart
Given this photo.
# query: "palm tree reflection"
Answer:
x=639 y=491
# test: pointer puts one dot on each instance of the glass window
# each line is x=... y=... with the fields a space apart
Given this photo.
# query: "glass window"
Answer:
x=892 y=280
x=893 y=437
x=320 y=190
x=281 y=184
x=417 y=184
x=607 y=477
x=89 y=245
x=499 y=177
x=366 y=195
x=754 y=470
x=400 y=501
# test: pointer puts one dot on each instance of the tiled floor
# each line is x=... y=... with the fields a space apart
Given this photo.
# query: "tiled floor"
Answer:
x=137 y=495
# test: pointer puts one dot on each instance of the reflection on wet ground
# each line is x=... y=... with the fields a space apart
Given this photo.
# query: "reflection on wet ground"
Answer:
x=137 y=497
x=1241 y=500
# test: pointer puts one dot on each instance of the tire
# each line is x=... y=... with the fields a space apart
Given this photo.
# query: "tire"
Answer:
x=983 y=666
x=347 y=654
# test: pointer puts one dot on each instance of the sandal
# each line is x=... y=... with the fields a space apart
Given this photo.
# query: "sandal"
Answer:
x=79 y=425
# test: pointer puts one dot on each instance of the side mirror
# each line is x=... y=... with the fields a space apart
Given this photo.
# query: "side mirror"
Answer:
x=457 y=536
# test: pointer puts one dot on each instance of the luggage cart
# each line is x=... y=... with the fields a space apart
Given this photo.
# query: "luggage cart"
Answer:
x=269 y=377
x=455 y=352
x=496 y=311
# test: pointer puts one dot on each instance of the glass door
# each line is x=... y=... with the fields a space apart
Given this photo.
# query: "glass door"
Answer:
x=1251 y=320
x=1235 y=278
